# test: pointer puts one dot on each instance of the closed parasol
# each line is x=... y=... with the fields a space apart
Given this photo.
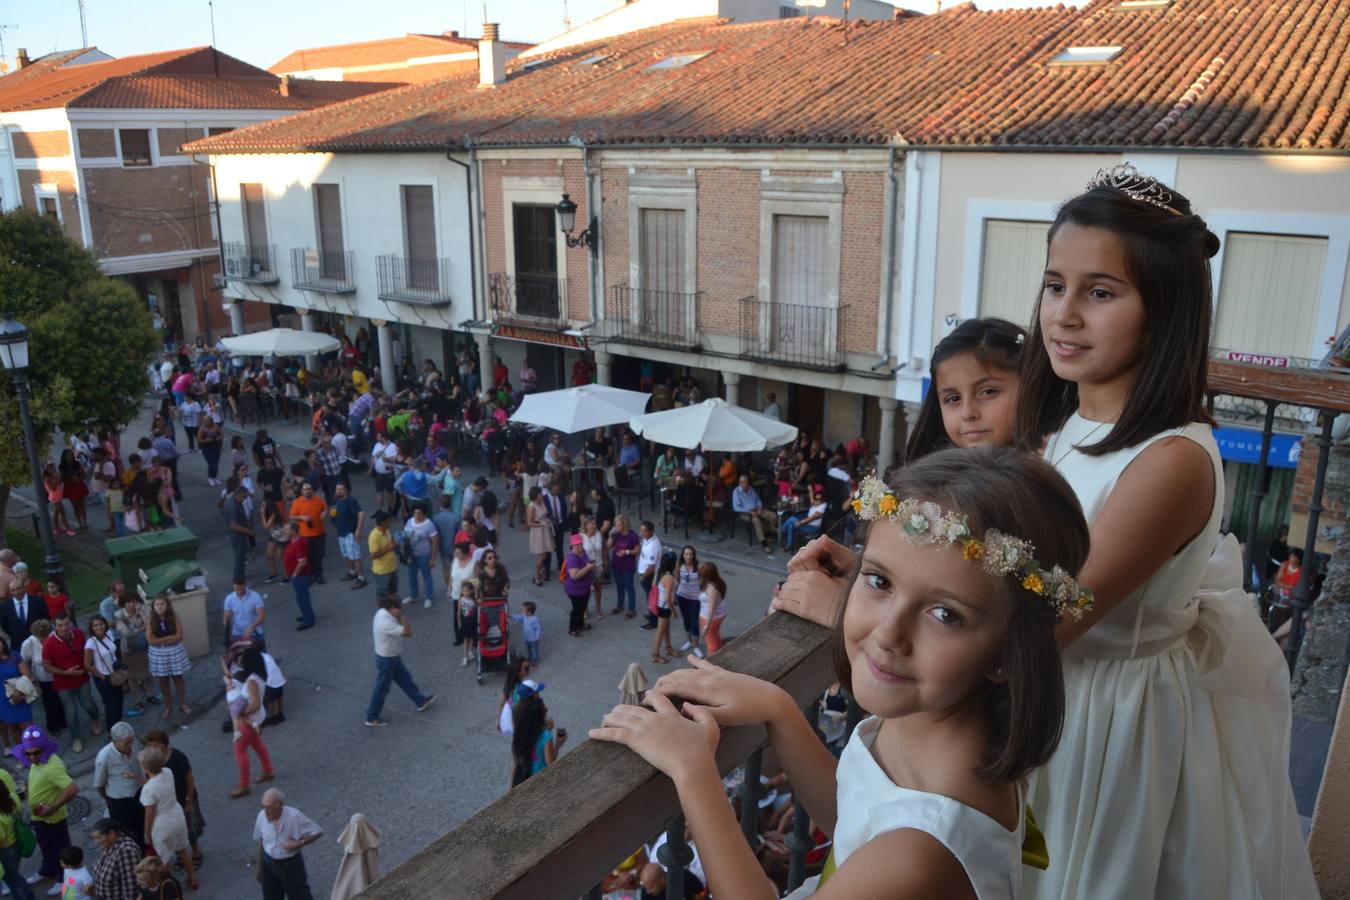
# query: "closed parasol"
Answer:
x=360 y=866
x=633 y=685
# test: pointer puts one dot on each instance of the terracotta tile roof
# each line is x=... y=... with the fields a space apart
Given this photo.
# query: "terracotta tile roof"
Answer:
x=195 y=78
x=377 y=52
x=206 y=92
x=1222 y=73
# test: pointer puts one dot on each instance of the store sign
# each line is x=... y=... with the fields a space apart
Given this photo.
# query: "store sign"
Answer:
x=540 y=336
x=1257 y=359
x=1244 y=445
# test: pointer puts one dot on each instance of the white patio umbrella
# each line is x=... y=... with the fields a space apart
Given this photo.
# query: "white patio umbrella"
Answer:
x=716 y=425
x=281 y=342
x=581 y=408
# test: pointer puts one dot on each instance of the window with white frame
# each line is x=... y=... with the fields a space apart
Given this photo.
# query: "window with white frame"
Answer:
x=135 y=143
x=419 y=235
x=49 y=203
x=1269 y=293
x=1011 y=270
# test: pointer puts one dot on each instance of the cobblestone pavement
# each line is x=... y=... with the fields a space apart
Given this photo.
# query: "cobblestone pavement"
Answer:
x=426 y=772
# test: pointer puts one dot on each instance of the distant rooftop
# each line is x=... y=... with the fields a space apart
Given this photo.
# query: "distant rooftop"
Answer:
x=407 y=59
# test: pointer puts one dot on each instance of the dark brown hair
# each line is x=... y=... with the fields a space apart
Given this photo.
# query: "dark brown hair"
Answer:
x=996 y=343
x=1018 y=494
x=1168 y=258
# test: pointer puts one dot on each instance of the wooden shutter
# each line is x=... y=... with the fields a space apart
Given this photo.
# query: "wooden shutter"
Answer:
x=1011 y=271
x=1268 y=295
x=255 y=218
x=419 y=236
x=800 y=245
x=662 y=250
x=328 y=216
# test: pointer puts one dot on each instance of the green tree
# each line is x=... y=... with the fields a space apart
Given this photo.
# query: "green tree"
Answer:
x=90 y=340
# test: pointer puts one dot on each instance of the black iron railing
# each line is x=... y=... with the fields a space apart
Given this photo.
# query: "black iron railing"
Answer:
x=424 y=282
x=255 y=263
x=792 y=333
x=328 y=271
x=657 y=318
x=535 y=298
x=612 y=799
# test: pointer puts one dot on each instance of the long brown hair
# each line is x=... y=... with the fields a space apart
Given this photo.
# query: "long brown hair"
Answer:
x=1168 y=258
x=1018 y=494
x=708 y=574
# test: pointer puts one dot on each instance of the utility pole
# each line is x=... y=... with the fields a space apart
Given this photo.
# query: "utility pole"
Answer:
x=3 y=29
x=84 y=31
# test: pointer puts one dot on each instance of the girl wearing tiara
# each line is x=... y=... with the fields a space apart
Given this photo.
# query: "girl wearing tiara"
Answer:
x=947 y=634
x=1171 y=778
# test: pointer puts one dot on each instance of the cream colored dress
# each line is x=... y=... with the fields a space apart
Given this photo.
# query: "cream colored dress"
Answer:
x=1172 y=776
x=170 y=832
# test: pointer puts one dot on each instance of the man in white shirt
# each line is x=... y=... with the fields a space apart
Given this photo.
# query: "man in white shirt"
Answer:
x=648 y=557
x=383 y=457
x=771 y=408
x=282 y=832
x=389 y=628
x=117 y=778
x=694 y=463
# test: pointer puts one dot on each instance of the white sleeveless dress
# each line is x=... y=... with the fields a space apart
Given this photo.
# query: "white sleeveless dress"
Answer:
x=1172 y=775
x=870 y=804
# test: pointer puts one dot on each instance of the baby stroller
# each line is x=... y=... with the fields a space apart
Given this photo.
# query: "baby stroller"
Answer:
x=494 y=637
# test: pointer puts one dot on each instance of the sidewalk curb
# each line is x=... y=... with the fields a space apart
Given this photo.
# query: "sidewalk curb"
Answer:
x=86 y=766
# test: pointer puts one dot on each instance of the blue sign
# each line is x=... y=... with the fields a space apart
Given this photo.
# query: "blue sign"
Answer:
x=1244 y=445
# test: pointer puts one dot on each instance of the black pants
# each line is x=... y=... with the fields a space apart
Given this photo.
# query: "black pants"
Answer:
x=316 y=551
x=112 y=701
x=173 y=468
x=129 y=812
x=642 y=601
x=577 y=621
x=239 y=546
x=559 y=536
x=191 y=436
x=52 y=709
x=285 y=879
x=689 y=613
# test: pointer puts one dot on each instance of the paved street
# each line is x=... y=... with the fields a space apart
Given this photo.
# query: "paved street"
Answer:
x=426 y=772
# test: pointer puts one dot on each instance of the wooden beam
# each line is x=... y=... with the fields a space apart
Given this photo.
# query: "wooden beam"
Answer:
x=560 y=832
x=1316 y=388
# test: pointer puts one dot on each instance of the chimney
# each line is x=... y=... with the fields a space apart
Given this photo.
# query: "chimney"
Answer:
x=491 y=57
x=24 y=61
x=285 y=86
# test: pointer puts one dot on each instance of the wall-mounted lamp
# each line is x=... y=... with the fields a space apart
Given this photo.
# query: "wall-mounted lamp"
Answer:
x=567 y=220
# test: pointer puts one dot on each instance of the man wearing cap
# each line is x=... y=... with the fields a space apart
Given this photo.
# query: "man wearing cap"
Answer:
x=389 y=628
x=50 y=788
x=580 y=575
x=117 y=778
x=383 y=556
x=235 y=512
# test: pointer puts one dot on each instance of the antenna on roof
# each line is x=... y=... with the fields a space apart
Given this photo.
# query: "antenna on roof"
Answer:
x=3 y=29
x=84 y=32
x=567 y=19
x=211 y=10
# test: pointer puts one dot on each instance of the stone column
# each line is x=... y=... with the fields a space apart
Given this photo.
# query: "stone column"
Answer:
x=602 y=363
x=733 y=382
x=886 y=434
x=388 y=375
x=485 y=360
x=236 y=311
x=307 y=324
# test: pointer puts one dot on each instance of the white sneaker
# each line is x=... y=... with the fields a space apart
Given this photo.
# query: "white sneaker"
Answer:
x=55 y=890
x=34 y=878
x=407 y=600
x=426 y=604
x=698 y=651
x=684 y=648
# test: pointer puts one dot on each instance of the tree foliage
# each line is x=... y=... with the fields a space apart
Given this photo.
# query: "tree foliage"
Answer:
x=90 y=338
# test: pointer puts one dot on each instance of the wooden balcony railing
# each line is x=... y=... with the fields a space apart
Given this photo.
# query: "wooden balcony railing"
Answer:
x=652 y=318
x=252 y=263
x=558 y=834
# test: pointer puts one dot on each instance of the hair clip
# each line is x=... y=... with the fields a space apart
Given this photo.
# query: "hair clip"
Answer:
x=1000 y=554
x=1126 y=179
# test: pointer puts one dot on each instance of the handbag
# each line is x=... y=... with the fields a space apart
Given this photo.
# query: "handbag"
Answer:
x=24 y=838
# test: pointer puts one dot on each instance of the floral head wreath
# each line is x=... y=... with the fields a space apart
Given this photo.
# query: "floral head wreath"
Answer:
x=1000 y=554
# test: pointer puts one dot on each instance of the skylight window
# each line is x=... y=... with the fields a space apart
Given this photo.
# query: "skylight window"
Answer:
x=1145 y=4
x=536 y=63
x=591 y=61
x=677 y=61
x=1075 y=56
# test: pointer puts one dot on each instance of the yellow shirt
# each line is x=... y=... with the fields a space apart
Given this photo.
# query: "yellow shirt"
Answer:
x=360 y=382
x=46 y=782
x=378 y=540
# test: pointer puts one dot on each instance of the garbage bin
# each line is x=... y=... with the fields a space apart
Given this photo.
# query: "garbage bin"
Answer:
x=141 y=552
x=189 y=604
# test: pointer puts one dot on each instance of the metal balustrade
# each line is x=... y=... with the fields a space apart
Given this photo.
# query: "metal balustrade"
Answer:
x=420 y=282
x=330 y=272
x=792 y=333
x=537 y=299
x=653 y=318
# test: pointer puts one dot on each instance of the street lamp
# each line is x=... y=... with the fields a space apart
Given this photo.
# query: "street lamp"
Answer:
x=567 y=221
x=14 y=355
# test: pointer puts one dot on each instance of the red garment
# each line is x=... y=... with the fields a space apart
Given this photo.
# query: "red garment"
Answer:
x=248 y=737
x=57 y=604
x=350 y=357
x=1288 y=574
x=63 y=655
x=499 y=374
x=296 y=550
x=581 y=373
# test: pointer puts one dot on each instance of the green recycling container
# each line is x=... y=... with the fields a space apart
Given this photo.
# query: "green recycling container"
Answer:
x=138 y=553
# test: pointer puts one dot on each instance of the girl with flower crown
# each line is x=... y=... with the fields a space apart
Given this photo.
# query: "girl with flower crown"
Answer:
x=1171 y=779
x=947 y=635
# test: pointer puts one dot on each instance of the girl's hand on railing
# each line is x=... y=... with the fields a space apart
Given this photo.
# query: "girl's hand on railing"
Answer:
x=663 y=736
x=731 y=698
x=816 y=580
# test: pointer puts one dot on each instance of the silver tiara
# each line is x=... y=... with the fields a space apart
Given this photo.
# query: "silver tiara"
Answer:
x=1144 y=188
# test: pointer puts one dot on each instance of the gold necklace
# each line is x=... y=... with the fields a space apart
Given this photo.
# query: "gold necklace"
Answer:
x=1073 y=447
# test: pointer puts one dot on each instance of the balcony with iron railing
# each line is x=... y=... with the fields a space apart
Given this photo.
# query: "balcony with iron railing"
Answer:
x=421 y=282
x=652 y=318
x=529 y=299
x=793 y=334
x=562 y=831
x=252 y=263
x=330 y=272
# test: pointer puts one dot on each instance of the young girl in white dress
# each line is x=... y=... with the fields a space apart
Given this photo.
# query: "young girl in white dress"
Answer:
x=1171 y=778
x=947 y=637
